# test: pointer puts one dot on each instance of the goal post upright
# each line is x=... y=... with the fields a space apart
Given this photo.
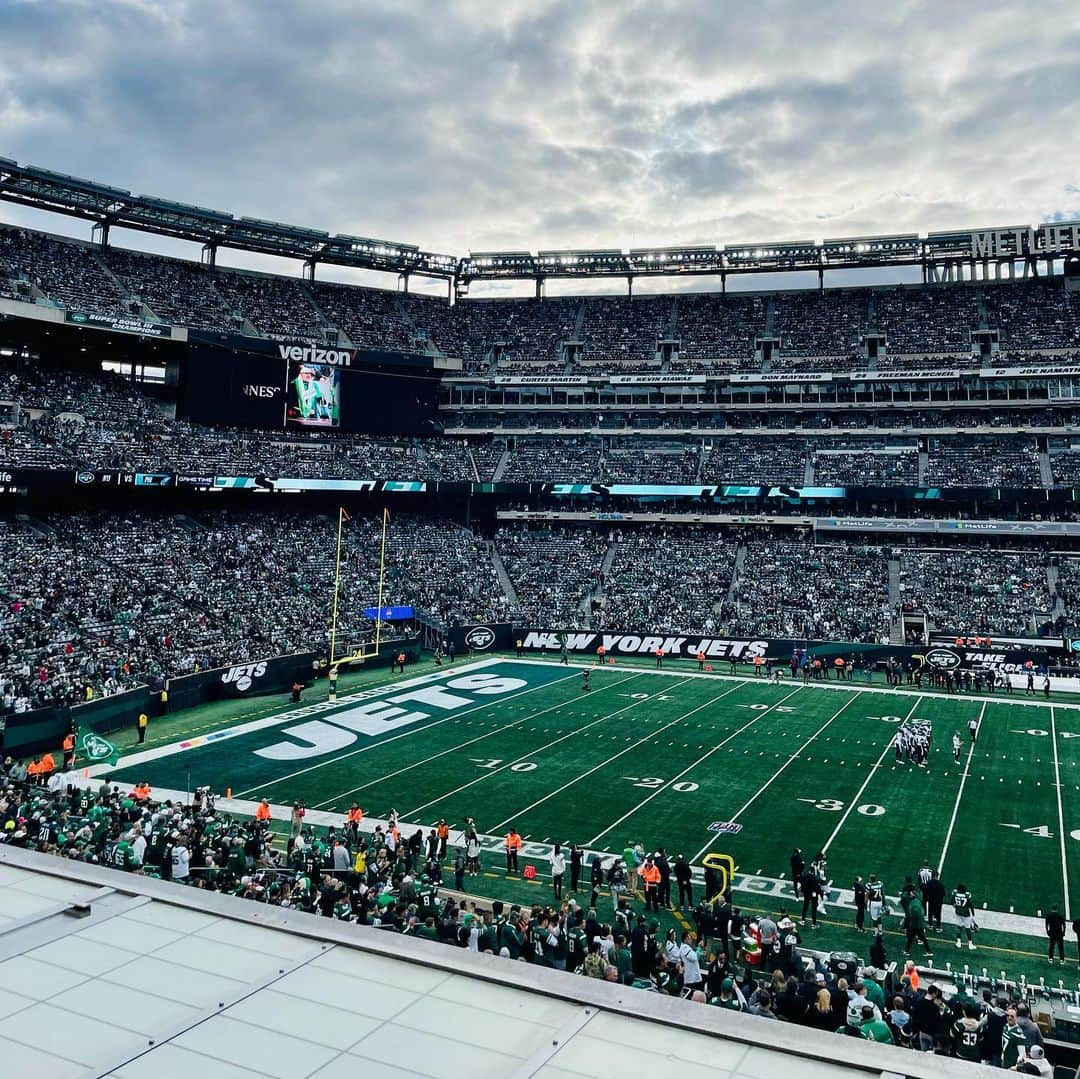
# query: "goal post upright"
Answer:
x=382 y=576
x=337 y=584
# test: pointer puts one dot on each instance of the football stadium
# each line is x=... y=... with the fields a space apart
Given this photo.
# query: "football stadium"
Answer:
x=537 y=660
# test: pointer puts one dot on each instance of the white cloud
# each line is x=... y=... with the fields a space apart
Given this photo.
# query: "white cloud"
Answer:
x=472 y=125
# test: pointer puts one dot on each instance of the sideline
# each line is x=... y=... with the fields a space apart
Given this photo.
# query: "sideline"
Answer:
x=762 y=887
x=849 y=687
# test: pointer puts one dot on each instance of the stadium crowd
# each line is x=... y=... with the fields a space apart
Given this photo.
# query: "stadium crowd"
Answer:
x=552 y=570
x=669 y=580
x=976 y=591
x=714 y=332
x=53 y=417
x=817 y=591
x=94 y=603
x=401 y=880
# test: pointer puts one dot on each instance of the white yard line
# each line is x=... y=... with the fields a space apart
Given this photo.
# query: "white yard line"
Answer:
x=866 y=782
x=960 y=794
x=462 y=745
x=689 y=768
x=533 y=753
x=604 y=763
x=1061 y=818
x=411 y=733
x=794 y=756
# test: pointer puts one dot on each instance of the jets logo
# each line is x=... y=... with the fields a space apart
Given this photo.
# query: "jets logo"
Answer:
x=942 y=658
x=244 y=675
x=480 y=638
x=95 y=748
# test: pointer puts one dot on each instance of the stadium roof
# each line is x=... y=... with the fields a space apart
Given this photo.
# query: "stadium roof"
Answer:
x=152 y=979
x=108 y=206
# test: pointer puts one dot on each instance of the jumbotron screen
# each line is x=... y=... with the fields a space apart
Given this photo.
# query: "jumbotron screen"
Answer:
x=313 y=396
x=254 y=389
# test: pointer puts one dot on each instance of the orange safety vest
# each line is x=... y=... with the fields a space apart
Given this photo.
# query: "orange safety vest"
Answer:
x=443 y=831
x=600 y=651
x=650 y=875
x=33 y=769
x=69 y=743
x=701 y=657
x=513 y=841
x=356 y=816
x=659 y=653
x=262 y=812
x=401 y=657
x=47 y=763
x=758 y=661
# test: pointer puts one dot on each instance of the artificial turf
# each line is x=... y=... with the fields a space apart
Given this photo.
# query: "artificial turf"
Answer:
x=658 y=756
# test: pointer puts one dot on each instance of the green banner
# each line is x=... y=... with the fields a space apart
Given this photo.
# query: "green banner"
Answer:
x=93 y=749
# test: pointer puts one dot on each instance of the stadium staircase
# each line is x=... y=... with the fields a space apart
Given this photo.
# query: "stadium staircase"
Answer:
x=328 y=327
x=736 y=573
x=472 y=462
x=419 y=337
x=579 y=320
x=808 y=471
x=1057 y=604
x=244 y=326
x=129 y=298
x=924 y=464
x=501 y=467
x=984 y=315
x=503 y=577
x=1046 y=471
x=896 y=623
x=597 y=591
x=768 y=331
x=871 y=328
x=673 y=315
x=609 y=557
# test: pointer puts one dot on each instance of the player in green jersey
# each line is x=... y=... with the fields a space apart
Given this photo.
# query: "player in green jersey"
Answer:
x=964 y=909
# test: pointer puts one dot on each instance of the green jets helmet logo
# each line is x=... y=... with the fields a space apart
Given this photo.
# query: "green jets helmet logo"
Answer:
x=96 y=748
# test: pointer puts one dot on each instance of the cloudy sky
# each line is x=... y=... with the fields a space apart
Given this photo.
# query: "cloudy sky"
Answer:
x=493 y=124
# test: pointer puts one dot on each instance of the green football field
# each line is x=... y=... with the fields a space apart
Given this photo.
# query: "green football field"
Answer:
x=660 y=756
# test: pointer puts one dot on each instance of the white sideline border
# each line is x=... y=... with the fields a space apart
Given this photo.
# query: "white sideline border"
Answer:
x=1001 y=697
